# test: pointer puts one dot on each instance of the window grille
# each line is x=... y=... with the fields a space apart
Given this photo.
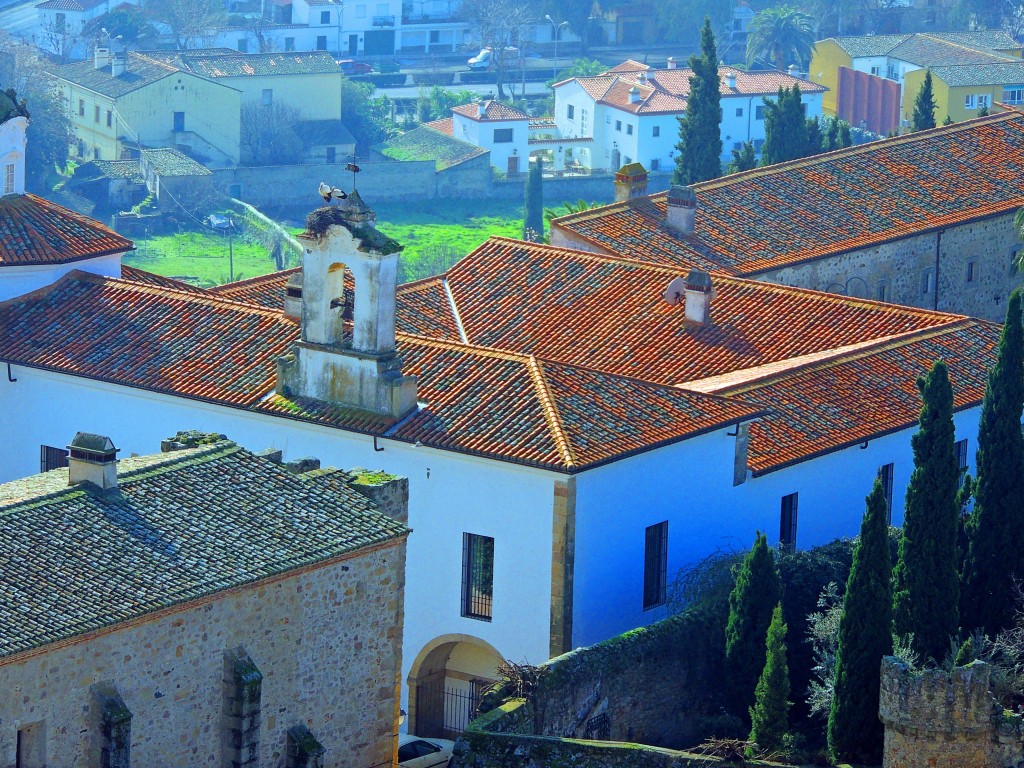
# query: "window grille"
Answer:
x=477 y=576
x=598 y=727
x=655 y=564
x=886 y=475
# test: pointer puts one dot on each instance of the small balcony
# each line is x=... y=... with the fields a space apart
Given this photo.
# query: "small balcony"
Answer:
x=383 y=21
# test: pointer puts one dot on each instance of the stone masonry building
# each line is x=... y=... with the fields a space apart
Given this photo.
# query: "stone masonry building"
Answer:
x=204 y=607
x=924 y=220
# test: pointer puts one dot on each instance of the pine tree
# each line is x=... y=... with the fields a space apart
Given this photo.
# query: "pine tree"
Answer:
x=995 y=530
x=757 y=589
x=699 y=149
x=769 y=717
x=533 y=215
x=924 y=106
x=785 y=128
x=926 y=589
x=854 y=732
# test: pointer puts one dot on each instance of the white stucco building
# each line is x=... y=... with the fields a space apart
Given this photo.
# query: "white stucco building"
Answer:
x=573 y=431
x=631 y=112
x=502 y=130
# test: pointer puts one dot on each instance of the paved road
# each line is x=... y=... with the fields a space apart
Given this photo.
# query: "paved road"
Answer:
x=484 y=89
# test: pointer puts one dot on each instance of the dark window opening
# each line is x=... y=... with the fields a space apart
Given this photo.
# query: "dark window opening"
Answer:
x=332 y=154
x=179 y=122
x=52 y=458
x=502 y=135
x=885 y=474
x=656 y=131
x=787 y=523
x=961 y=460
x=598 y=727
x=477 y=576
x=655 y=565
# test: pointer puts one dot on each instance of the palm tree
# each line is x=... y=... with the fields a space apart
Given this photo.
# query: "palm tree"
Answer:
x=780 y=33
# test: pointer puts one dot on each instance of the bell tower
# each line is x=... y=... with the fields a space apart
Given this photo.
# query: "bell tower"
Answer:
x=344 y=357
x=13 y=124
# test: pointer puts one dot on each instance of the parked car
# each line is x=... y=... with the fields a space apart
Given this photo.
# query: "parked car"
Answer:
x=414 y=752
x=482 y=60
x=353 y=67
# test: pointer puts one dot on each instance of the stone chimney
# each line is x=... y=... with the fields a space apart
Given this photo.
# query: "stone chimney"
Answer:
x=389 y=493
x=348 y=364
x=481 y=109
x=93 y=459
x=730 y=80
x=642 y=77
x=699 y=294
x=630 y=182
x=682 y=209
x=118 y=59
x=13 y=125
x=673 y=62
x=101 y=57
x=634 y=95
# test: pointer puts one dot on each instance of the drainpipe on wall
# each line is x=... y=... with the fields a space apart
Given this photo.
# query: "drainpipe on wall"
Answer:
x=938 y=246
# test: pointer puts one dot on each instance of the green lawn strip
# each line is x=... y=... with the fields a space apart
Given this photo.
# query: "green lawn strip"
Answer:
x=199 y=258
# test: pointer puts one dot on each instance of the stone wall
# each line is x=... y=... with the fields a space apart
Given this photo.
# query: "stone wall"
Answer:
x=326 y=641
x=948 y=719
x=980 y=290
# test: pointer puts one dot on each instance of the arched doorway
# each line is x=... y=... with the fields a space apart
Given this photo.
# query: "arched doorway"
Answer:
x=446 y=681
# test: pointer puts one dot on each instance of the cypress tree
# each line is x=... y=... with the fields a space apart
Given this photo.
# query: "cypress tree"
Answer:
x=699 y=149
x=927 y=589
x=995 y=530
x=786 y=129
x=769 y=717
x=743 y=159
x=757 y=589
x=924 y=106
x=855 y=733
x=533 y=218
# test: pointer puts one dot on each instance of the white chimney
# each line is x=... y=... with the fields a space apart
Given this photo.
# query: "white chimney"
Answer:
x=101 y=57
x=481 y=109
x=93 y=459
x=730 y=80
x=698 y=296
x=682 y=209
x=673 y=62
x=643 y=76
x=634 y=95
x=119 y=62
x=793 y=71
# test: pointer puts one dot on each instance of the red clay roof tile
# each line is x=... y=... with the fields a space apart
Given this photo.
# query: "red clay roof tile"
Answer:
x=34 y=231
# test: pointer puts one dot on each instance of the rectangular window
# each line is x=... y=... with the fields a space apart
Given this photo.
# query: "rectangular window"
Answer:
x=383 y=9
x=477 y=576
x=787 y=523
x=332 y=155
x=969 y=101
x=325 y=17
x=927 y=281
x=81 y=107
x=883 y=290
x=52 y=458
x=885 y=475
x=739 y=111
x=583 y=121
x=655 y=564
x=289 y=43
x=96 y=114
x=983 y=101
x=656 y=131
x=95 y=153
x=759 y=113
x=1013 y=94
x=360 y=11
x=110 y=119
x=9 y=179
x=60 y=23
x=435 y=37
x=961 y=459
x=321 y=42
x=629 y=130
x=502 y=135
x=655 y=164
x=30 y=746
x=972 y=271
x=618 y=125
x=242 y=45
x=179 y=122
x=570 y=112
x=875 y=71
x=267 y=97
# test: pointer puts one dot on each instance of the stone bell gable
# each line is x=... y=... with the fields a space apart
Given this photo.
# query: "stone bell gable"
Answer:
x=348 y=358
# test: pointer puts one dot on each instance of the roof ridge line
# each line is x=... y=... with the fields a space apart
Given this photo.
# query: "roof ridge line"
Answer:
x=603 y=257
x=856 y=149
x=972 y=49
x=250 y=280
x=455 y=310
x=205 y=296
x=551 y=414
x=846 y=355
x=481 y=349
x=176 y=457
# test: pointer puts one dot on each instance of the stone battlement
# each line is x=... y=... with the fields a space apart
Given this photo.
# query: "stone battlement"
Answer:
x=946 y=718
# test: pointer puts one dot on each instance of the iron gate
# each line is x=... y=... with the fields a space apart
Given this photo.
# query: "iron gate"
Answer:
x=444 y=712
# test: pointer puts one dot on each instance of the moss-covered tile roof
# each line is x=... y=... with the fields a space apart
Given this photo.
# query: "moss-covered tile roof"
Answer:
x=180 y=526
x=429 y=144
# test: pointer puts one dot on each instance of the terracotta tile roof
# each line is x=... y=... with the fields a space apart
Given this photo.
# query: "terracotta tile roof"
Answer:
x=840 y=201
x=629 y=65
x=931 y=51
x=135 y=275
x=869 y=45
x=224 y=62
x=113 y=169
x=143 y=69
x=444 y=125
x=765 y=83
x=494 y=110
x=263 y=290
x=992 y=39
x=68 y=5
x=502 y=405
x=184 y=525
x=36 y=231
x=1004 y=73
x=424 y=143
x=607 y=313
x=852 y=398
x=168 y=161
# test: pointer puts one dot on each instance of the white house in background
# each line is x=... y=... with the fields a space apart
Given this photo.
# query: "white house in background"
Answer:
x=497 y=127
x=60 y=25
x=631 y=112
x=573 y=430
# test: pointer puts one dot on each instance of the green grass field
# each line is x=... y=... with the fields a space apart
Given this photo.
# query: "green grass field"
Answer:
x=434 y=238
